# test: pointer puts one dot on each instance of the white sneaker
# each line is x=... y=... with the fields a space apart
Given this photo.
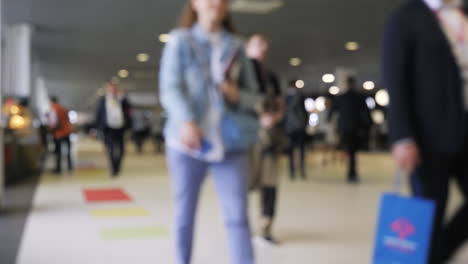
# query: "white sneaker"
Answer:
x=265 y=241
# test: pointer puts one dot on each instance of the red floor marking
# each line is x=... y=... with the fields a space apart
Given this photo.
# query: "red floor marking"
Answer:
x=106 y=195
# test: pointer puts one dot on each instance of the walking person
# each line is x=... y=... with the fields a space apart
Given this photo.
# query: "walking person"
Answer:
x=296 y=122
x=61 y=129
x=425 y=66
x=330 y=136
x=354 y=121
x=113 y=119
x=208 y=90
x=140 y=128
x=157 y=130
x=272 y=136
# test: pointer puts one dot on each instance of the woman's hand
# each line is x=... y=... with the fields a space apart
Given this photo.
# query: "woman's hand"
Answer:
x=231 y=91
x=406 y=156
x=191 y=135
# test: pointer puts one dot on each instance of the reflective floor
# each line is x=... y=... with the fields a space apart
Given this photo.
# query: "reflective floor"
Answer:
x=88 y=217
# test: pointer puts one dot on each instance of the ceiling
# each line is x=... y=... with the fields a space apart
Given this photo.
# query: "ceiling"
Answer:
x=95 y=38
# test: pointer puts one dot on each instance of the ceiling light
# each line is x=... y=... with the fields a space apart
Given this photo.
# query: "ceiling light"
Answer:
x=352 y=46
x=124 y=73
x=382 y=98
x=164 y=38
x=328 y=78
x=300 y=84
x=313 y=120
x=378 y=117
x=309 y=104
x=369 y=85
x=295 y=62
x=334 y=90
x=320 y=104
x=370 y=103
x=143 y=57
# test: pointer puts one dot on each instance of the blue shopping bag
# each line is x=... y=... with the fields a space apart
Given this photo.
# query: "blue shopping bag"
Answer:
x=404 y=230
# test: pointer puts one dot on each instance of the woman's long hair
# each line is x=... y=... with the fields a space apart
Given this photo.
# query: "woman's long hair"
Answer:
x=189 y=17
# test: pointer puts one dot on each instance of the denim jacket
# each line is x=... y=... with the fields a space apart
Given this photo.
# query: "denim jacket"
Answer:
x=184 y=87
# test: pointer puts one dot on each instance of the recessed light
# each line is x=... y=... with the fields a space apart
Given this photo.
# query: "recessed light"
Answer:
x=334 y=90
x=143 y=57
x=382 y=98
x=320 y=104
x=309 y=104
x=164 y=38
x=370 y=103
x=328 y=78
x=295 y=62
x=124 y=73
x=352 y=46
x=300 y=84
x=369 y=85
x=378 y=117
x=313 y=120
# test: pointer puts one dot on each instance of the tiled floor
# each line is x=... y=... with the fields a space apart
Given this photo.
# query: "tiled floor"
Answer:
x=322 y=220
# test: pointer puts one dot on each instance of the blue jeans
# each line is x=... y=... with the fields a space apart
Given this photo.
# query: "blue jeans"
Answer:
x=230 y=177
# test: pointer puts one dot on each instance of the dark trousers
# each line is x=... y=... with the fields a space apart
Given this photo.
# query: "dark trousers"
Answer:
x=351 y=146
x=297 y=142
x=59 y=142
x=158 y=143
x=139 y=139
x=431 y=181
x=114 y=140
x=268 y=201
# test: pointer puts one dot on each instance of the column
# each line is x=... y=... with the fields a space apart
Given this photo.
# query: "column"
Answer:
x=2 y=169
x=18 y=60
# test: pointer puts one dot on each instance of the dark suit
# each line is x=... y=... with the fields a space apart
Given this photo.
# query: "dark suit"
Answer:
x=427 y=91
x=113 y=138
x=353 y=122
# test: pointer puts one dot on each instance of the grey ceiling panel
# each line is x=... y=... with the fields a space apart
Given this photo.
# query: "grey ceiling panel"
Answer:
x=107 y=34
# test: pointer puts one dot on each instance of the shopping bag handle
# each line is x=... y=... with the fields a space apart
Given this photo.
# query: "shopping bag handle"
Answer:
x=398 y=182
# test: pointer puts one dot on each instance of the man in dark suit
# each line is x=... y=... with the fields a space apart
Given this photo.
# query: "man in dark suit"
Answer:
x=353 y=122
x=425 y=69
x=112 y=119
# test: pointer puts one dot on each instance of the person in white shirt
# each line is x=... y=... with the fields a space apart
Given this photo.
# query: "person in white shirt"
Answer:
x=113 y=118
x=425 y=67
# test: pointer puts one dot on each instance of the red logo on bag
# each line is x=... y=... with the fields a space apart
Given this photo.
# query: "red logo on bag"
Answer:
x=403 y=227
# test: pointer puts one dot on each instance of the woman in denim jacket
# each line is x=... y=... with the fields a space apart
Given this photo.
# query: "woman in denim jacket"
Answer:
x=209 y=91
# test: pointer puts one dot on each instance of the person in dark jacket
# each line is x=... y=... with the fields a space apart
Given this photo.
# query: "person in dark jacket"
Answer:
x=296 y=122
x=112 y=119
x=354 y=121
x=425 y=66
x=271 y=134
